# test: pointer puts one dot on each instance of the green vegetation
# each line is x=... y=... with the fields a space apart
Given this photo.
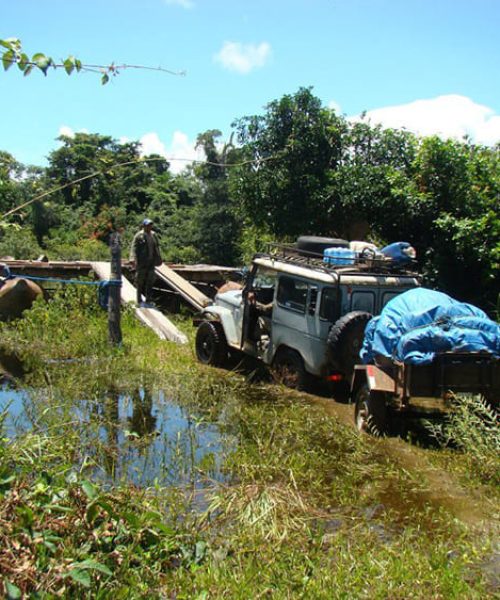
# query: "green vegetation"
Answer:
x=288 y=502
x=472 y=428
x=299 y=168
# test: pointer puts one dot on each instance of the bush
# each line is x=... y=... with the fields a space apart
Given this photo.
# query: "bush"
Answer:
x=86 y=249
x=20 y=243
x=472 y=428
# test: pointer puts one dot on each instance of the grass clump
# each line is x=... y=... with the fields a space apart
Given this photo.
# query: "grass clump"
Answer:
x=62 y=535
x=472 y=430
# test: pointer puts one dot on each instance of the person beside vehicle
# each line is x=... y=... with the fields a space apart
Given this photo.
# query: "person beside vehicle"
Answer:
x=145 y=256
x=262 y=315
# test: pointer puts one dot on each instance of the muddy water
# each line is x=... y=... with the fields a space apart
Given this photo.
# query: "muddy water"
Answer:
x=436 y=488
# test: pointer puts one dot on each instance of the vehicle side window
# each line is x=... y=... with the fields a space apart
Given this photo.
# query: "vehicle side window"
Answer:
x=328 y=308
x=292 y=293
x=389 y=296
x=363 y=301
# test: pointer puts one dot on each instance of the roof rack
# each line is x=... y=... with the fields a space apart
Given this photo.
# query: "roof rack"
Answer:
x=289 y=253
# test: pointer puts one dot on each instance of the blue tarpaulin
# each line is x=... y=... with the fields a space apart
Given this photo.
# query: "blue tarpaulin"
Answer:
x=417 y=324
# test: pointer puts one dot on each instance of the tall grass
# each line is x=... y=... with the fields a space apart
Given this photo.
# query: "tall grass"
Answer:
x=472 y=428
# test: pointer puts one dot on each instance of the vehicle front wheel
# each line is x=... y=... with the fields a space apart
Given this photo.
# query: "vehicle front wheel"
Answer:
x=370 y=412
x=211 y=345
x=288 y=369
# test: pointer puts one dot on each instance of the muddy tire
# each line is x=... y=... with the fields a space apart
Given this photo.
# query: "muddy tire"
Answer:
x=370 y=412
x=345 y=340
x=288 y=369
x=317 y=245
x=211 y=345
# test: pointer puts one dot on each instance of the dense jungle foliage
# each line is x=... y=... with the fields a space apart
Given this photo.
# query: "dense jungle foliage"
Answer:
x=298 y=168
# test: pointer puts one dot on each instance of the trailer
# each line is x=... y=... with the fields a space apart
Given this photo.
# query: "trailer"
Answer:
x=382 y=391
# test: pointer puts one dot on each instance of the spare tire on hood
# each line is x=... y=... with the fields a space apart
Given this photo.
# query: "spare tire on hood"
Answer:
x=346 y=339
x=307 y=245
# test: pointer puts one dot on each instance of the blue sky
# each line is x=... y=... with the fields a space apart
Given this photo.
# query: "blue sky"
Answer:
x=428 y=65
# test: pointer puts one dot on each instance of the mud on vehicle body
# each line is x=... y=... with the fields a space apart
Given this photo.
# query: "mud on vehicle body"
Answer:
x=302 y=317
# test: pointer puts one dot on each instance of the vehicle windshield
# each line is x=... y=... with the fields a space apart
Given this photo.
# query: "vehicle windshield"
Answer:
x=264 y=278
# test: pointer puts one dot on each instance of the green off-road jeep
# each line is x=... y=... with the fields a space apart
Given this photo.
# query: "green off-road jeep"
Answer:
x=299 y=313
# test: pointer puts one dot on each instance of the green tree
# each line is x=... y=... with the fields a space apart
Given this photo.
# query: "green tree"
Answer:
x=10 y=174
x=370 y=189
x=461 y=183
x=293 y=148
x=216 y=219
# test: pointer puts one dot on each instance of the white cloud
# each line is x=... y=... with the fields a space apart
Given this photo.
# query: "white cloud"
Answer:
x=183 y=3
x=450 y=116
x=66 y=131
x=243 y=58
x=180 y=153
x=335 y=106
x=69 y=132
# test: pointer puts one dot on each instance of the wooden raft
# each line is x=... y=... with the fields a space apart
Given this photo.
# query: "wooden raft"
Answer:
x=192 y=295
x=151 y=317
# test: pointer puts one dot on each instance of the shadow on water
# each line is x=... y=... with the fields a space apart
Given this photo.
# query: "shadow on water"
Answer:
x=11 y=365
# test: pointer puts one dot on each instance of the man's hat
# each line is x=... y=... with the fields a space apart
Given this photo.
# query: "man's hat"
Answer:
x=147 y=222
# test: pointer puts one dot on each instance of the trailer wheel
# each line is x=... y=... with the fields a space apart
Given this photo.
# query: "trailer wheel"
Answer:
x=211 y=345
x=370 y=412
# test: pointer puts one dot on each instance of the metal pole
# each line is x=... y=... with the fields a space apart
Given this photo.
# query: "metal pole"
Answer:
x=114 y=326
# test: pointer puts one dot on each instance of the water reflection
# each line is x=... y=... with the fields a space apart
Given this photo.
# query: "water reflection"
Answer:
x=141 y=436
x=142 y=422
x=10 y=365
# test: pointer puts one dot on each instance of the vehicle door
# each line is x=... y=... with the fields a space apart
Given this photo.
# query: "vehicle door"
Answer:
x=295 y=318
x=260 y=286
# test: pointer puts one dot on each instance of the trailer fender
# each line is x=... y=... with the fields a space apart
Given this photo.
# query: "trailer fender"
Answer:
x=376 y=379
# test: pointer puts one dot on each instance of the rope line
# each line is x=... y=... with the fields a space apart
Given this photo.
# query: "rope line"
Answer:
x=109 y=282
x=132 y=162
x=102 y=291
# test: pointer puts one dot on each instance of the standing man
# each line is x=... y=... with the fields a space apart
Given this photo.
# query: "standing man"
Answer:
x=145 y=256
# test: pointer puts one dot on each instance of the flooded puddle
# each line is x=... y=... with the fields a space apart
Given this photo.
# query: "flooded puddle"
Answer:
x=142 y=437
x=149 y=437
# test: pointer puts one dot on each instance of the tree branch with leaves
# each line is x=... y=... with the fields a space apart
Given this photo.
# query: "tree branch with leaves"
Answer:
x=13 y=54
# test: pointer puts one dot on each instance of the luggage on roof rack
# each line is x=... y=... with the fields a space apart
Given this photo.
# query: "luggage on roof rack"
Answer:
x=359 y=262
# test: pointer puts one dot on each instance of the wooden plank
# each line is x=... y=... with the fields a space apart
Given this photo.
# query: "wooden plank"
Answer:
x=204 y=273
x=151 y=317
x=56 y=268
x=59 y=269
x=197 y=299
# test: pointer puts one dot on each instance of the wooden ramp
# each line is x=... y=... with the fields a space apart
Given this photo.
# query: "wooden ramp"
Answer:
x=151 y=317
x=192 y=295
